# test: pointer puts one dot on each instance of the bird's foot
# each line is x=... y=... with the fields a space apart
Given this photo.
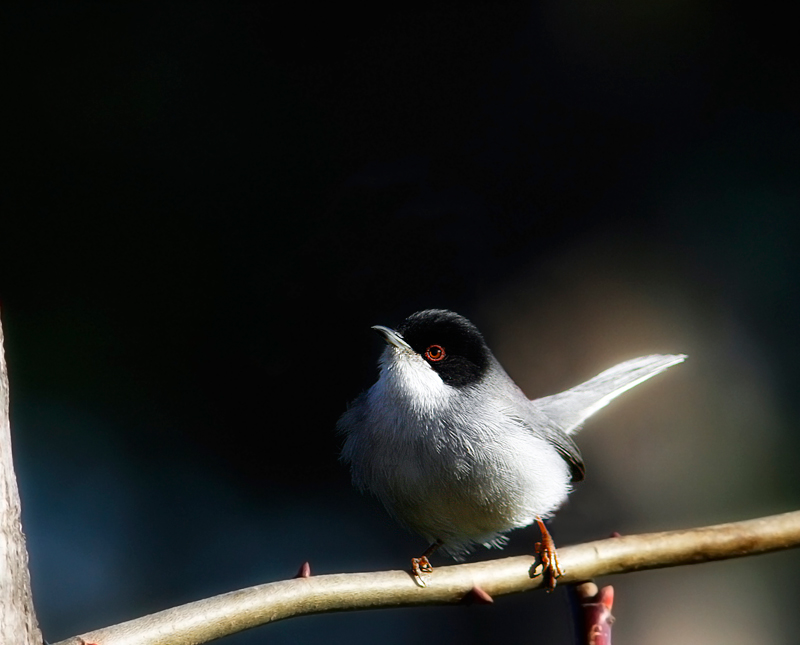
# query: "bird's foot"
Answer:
x=421 y=568
x=548 y=557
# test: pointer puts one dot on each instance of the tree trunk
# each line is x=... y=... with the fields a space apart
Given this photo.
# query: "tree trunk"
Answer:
x=17 y=619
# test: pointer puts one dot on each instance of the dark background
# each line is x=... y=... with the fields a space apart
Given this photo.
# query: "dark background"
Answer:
x=206 y=205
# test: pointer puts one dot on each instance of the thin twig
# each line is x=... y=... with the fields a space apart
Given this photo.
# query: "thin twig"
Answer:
x=594 y=613
x=205 y=620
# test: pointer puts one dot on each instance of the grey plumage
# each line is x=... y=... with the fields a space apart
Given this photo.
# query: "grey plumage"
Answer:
x=456 y=451
x=571 y=408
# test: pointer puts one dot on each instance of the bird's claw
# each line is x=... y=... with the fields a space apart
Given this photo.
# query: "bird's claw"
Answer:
x=551 y=569
x=548 y=557
x=421 y=568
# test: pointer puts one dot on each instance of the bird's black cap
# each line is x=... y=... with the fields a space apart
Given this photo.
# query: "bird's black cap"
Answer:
x=464 y=358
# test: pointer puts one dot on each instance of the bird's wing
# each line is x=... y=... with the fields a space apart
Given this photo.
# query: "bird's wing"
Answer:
x=543 y=427
x=569 y=451
x=569 y=409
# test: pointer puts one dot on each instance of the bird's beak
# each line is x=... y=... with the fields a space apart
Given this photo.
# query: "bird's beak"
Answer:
x=393 y=338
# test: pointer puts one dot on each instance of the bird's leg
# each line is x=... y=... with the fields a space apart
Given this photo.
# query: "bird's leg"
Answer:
x=421 y=566
x=546 y=550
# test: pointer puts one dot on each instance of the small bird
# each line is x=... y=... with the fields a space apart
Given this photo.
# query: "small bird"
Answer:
x=456 y=451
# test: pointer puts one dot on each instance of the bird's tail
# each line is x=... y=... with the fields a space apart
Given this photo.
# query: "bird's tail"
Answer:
x=571 y=408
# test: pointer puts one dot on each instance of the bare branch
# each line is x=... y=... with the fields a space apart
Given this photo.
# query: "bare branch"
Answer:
x=17 y=618
x=205 y=620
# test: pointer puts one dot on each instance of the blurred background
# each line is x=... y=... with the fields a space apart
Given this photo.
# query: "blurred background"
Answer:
x=206 y=205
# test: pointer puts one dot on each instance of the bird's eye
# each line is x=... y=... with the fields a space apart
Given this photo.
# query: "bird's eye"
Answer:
x=435 y=353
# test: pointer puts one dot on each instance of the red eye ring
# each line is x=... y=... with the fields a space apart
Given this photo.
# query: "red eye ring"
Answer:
x=435 y=353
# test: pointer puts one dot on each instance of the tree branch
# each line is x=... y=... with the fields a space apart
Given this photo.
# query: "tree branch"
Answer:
x=17 y=618
x=205 y=620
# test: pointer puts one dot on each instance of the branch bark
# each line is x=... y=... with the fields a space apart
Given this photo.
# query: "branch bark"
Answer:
x=212 y=618
x=17 y=618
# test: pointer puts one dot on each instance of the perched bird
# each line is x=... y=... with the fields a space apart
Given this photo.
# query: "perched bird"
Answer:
x=455 y=450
